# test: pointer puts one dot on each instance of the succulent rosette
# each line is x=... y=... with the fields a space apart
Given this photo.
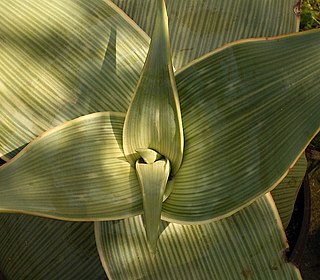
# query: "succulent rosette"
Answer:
x=174 y=165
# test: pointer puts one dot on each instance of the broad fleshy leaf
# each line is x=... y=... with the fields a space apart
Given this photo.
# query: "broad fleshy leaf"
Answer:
x=286 y=192
x=247 y=245
x=198 y=27
x=76 y=171
x=249 y=110
x=34 y=248
x=153 y=120
x=60 y=60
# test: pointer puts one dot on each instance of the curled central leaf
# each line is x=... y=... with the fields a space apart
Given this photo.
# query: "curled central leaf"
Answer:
x=153 y=178
x=153 y=120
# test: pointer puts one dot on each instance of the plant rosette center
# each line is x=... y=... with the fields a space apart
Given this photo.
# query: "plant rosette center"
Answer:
x=153 y=172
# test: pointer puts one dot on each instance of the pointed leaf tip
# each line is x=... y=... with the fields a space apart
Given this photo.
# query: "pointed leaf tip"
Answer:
x=153 y=180
x=154 y=119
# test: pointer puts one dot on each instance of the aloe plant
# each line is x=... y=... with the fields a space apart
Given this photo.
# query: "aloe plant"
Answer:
x=174 y=167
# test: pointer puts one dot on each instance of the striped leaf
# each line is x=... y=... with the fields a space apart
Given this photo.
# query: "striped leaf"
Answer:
x=60 y=60
x=199 y=26
x=76 y=171
x=247 y=245
x=153 y=178
x=153 y=120
x=34 y=248
x=242 y=106
x=286 y=192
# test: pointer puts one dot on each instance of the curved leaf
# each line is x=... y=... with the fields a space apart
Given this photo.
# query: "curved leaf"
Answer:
x=286 y=192
x=153 y=120
x=248 y=245
x=76 y=171
x=53 y=66
x=241 y=108
x=34 y=248
x=198 y=27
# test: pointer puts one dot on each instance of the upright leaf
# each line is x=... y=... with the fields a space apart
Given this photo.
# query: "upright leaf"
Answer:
x=153 y=178
x=153 y=120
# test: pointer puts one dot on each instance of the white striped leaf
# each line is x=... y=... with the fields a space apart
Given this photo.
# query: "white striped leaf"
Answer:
x=76 y=171
x=199 y=26
x=247 y=245
x=153 y=120
x=34 y=248
x=54 y=66
x=286 y=192
x=249 y=110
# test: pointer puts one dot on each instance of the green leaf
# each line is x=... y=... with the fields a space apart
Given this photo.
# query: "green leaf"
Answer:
x=242 y=106
x=286 y=192
x=247 y=245
x=76 y=171
x=54 y=66
x=153 y=120
x=198 y=27
x=153 y=178
x=34 y=248
x=148 y=155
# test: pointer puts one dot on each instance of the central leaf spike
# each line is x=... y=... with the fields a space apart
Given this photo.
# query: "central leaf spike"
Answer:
x=153 y=178
x=148 y=155
x=153 y=120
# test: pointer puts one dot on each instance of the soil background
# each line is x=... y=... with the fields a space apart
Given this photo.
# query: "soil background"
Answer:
x=310 y=262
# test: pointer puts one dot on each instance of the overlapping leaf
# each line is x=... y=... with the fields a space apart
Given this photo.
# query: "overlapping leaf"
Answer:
x=241 y=107
x=198 y=27
x=248 y=245
x=76 y=171
x=225 y=91
x=54 y=66
x=57 y=50
x=153 y=119
x=286 y=192
x=34 y=248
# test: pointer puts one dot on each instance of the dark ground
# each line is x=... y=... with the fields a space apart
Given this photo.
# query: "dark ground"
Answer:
x=310 y=263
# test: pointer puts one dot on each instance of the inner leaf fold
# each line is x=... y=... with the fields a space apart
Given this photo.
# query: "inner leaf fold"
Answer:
x=154 y=119
x=153 y=180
